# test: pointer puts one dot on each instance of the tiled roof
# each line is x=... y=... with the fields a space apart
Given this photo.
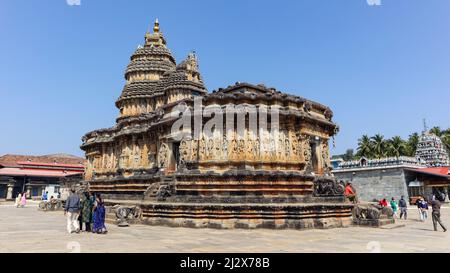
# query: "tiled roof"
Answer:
x=36 y=173
x=436 y=171
x=10 y=160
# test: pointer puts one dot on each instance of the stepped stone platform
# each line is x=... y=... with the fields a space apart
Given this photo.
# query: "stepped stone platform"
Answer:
x=247 y=216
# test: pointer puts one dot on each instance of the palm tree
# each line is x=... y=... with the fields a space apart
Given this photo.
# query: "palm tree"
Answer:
x=443 y=134
x=378 y=146
x=411 y=144
x=446 y=139
x=364 y=147
x=437 y=131
x=396 y=147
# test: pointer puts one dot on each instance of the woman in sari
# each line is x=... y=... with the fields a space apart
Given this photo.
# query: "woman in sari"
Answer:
x=23 y=201
x=99 y=216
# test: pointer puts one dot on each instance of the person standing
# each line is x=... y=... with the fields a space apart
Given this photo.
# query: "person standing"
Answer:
x=383 y=202
x=403 y=207
x=23 y=200
x=424 y=209
x=80 y=216
x=45 y=196
x=350 y=193
x=99 y=216
x=419 y=207
x=18 y=199
x=394 y=206
x=71 y=211
x=436 y=214
x=86 y=210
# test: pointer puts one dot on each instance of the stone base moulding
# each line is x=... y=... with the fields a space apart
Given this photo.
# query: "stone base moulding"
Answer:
x=247 y=216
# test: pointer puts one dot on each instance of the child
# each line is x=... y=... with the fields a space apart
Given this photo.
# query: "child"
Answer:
x=394 y=206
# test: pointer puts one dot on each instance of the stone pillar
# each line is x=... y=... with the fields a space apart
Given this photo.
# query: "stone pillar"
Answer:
x=28 y=192
x=9 y=194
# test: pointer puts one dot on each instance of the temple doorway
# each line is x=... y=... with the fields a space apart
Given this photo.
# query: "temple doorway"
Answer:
x=315 y=158
x=176 y=154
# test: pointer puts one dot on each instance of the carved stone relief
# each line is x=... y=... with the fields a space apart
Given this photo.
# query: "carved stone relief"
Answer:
x=163 y=155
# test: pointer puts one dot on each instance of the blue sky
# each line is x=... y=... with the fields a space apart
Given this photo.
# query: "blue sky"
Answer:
x=382 y=69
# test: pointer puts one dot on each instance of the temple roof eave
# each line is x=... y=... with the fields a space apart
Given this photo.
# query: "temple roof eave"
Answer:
x=117 y=131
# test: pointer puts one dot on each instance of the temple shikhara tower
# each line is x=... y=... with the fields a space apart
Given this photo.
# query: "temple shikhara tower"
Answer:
x=431 y=151
x=270 y=170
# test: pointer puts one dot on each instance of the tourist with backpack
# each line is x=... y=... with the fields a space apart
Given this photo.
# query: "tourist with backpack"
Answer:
x=403 y=207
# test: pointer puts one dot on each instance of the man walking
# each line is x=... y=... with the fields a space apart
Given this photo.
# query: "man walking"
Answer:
x=436 y=206
x=403 y=207
x=72 y=210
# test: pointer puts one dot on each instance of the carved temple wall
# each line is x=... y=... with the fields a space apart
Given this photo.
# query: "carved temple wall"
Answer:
x=288 y=150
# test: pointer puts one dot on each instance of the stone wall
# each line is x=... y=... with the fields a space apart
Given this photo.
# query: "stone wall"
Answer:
x=377 y=184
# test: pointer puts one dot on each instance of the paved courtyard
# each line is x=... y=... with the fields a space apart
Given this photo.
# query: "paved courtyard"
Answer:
x=30 y=230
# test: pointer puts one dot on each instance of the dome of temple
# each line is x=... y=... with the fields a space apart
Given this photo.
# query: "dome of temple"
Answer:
x=186 y=77
x=147 y=66
x=152 y=60
x=139 y=89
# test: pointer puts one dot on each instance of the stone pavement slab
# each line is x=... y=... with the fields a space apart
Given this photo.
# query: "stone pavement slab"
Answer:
x=30 y=230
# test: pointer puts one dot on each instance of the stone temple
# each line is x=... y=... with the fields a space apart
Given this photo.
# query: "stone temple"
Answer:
x=247 y=176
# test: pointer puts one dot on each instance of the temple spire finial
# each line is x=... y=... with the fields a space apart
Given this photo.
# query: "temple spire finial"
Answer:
x=425 y=127
x=156 y=27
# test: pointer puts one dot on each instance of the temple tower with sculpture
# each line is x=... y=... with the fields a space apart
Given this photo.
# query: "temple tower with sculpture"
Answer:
x=179 y=154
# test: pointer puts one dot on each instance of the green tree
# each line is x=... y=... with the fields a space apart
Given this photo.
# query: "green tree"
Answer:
x=365 y=147
x=396 y=147
x=349 y=155
x=379 y=146
x=437 y=131
x=446 y=139
x=411 y=144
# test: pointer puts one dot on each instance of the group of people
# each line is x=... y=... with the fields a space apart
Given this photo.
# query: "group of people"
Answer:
x=21 y=200
x=422 y=206
x=88 y=210
x=402 y=206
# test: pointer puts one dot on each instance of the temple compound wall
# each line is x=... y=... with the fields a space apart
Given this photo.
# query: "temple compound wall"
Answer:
x=245 y=156
x=377 y=184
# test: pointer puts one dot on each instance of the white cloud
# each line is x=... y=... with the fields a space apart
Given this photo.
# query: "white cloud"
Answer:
x=374 y=2
x=73 y=2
